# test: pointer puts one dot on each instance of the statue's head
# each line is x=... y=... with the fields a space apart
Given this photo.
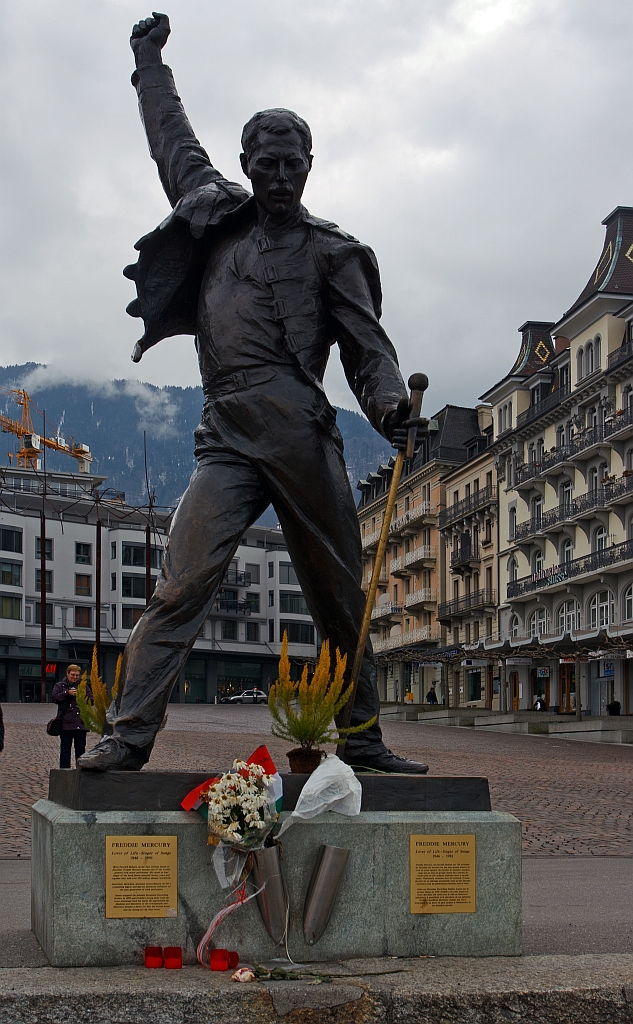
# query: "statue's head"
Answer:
x=276 y=157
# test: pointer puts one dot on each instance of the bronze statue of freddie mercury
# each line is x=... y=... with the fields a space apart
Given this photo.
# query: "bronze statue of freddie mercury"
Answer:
x=267 y=289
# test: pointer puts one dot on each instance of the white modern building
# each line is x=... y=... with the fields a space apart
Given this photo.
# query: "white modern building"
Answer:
x=239 y=645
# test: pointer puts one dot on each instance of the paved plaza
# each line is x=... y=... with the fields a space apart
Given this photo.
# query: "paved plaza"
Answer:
x=572 y=798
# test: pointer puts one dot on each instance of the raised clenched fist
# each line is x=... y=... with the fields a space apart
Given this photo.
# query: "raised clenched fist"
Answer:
x=148 y=38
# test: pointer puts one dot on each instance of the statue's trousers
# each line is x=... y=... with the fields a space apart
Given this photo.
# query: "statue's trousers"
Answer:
x=272 y=441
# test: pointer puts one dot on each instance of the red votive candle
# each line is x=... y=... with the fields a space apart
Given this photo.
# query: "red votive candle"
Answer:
x=219 y=959
x=153 y=956
x=173 y=957
x=233 y=960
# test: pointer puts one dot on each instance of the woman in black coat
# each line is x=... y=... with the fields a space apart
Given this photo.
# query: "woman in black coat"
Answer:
x=64 y=695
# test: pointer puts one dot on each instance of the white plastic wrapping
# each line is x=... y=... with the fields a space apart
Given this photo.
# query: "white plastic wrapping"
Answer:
x=332 y=787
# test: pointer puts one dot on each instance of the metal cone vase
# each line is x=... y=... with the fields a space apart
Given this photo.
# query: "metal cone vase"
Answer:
x=322 y=891
x=273 y=900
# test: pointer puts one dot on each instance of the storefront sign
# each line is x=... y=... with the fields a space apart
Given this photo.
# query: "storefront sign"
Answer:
x=442 y=874
x=141 y=876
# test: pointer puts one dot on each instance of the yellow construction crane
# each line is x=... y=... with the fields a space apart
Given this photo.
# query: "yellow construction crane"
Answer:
x=31 y=444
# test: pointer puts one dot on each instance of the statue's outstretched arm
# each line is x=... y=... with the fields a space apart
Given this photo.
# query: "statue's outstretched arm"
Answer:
x=182 y=163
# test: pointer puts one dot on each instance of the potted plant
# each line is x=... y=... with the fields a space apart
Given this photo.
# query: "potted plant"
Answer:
x=303 y=712
x=93 y=712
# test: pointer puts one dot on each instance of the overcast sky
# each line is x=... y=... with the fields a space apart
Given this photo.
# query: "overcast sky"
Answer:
x=476 y=145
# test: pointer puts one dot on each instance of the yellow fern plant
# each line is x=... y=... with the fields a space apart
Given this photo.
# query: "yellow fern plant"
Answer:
x=93 y=712
x=304 y=711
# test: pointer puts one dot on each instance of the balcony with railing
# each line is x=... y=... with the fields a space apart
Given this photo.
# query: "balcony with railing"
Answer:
x=466 y=555
x=620 y=355
x=583 y=566
x=540 y=408
x=231 y=606
x=418 y=556
x=469 y=602
x=423 y=634
x=386 y=610
x=370 y=540
x=421 y=511
x=475 y=501
x=418 y=598
x=237 y=578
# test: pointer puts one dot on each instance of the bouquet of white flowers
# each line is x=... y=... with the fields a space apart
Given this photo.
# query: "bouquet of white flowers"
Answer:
x=242 y=806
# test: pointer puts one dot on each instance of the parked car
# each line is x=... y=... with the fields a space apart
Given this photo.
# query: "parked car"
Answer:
x=247 y=697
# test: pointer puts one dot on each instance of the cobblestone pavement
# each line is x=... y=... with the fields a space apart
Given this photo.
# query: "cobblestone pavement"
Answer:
x=572 y=798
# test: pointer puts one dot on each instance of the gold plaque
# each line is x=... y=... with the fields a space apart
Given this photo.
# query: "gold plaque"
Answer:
x=443 y=876
x=141 y=876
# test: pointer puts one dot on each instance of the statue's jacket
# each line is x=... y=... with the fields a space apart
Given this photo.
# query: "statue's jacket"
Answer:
x=333 y=298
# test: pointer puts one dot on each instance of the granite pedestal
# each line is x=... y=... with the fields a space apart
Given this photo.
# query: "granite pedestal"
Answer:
x=371 y=916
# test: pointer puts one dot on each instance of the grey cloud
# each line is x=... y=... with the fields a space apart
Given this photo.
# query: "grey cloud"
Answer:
x=475 y=144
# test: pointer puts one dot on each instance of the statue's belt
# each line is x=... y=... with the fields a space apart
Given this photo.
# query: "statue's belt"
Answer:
x=239 y=381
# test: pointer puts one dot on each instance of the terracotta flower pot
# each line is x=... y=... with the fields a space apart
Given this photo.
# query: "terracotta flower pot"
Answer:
x=304 y=762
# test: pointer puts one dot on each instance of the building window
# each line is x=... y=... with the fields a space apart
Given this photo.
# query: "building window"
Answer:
x=83 y=553
x=112 y=581
x=271 y=570
x=113 y=549
x=567 y=551
x=512 y=569
x=83 y=617
x=134 y=585
x=601 y=609
x=130 y=616
x=271 y=598
x=48 y=580
x=600 y=539
x=252 y=632
x=83 y=585
x=538 y=622
x=271 y=631
x=11 y=574
x=537 y=561
x=287 y=574
x=134 y=554
x=11 y=540
x=628 y=603
x=48 y=548
x=38 y=614
x=253 y=571
x=229 y=629
x=298 y=632
x=252 y=603
x=514 y=626
x=10 y=607
x=512 y=523
x=569 y=616
x=292 y=603
x=596 y=351
x=579 y=364
x=588 y=358
x=113 y=617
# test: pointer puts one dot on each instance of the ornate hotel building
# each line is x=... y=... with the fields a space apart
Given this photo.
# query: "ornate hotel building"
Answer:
x=563 y=448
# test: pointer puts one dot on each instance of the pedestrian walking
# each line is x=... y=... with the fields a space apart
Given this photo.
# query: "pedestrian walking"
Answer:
x=431 y=697
x=73 y=729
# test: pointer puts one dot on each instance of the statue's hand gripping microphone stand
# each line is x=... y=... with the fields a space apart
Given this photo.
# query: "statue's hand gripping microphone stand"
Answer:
x=418 y=384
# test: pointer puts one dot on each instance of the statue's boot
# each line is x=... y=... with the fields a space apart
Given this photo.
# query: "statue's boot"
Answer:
x=112 y=755
x=386 y=761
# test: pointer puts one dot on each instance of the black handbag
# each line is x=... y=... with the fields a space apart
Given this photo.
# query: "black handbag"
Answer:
x=54 y=727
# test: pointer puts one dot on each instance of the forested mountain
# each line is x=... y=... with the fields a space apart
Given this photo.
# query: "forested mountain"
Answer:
x=111 y=417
